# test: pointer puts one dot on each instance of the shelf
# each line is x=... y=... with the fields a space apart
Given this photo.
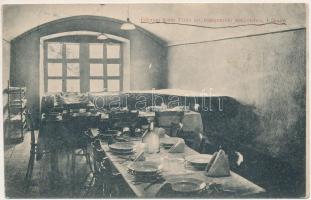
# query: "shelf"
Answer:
x=17 y=118
x=16 y=90
x=16 y=125
x=18 y=104
x=16 y=108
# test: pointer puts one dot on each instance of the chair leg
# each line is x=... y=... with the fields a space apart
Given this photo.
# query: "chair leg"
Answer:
x=107 y=190
x=89 y=187
x=88 y=159
x=54 y=176
x=98 y=179
x=115 y=190
x=73 y=166
x=30 y=168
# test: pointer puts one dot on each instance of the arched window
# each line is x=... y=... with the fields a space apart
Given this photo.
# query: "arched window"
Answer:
x=82 y=63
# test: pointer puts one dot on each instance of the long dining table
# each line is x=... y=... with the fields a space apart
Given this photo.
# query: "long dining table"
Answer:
x=174 y=165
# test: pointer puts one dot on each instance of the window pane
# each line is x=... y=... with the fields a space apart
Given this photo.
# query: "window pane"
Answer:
x=72 y=50
x=113 y=51
x=96 y=70
x=55 y=69
x=96 y=85
x=113 y=70
x=73 y=69
x=113 y=85
x=96 y=50
x=54 y=50
x=73 y=85
x=54 y=85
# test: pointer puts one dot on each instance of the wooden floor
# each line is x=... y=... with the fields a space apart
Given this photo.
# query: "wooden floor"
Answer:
x=16 y=157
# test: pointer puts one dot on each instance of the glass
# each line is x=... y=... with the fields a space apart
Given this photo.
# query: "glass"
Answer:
x=113 y=51
x=72 y=50
x=54 y=50
x=96 y=70
x=73 y=85
x=113 y=85
x=96 y=85
x=96 y=50
x=55 y=69
x=73 y=69
x=113 y=69
x=54 y=85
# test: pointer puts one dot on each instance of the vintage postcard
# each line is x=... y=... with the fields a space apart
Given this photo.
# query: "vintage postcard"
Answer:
x=155 y=100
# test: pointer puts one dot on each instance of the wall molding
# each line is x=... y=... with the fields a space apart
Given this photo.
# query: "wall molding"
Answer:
x=236 y=37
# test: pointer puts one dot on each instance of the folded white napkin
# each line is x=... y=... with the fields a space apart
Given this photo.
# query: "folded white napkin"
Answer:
x=218 y=165
x=179 y=147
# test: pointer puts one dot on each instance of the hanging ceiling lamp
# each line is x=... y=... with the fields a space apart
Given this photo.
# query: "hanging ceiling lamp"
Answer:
x=102 y=36
x=128 y=25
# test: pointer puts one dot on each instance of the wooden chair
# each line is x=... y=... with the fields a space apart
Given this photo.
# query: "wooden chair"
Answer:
x=34 y=154
x=164 y=119
x=123 y=119
x=106 y=178
x=176 y=130
x=199 y=143
x=80 y=148
x=33 y=150
x=98 y=157
x=81 y=139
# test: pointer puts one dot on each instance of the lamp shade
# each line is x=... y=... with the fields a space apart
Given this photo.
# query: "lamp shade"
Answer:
x=102 y=36
x=128 y=25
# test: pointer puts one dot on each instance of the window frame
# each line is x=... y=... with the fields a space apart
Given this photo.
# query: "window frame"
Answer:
x=84 y=61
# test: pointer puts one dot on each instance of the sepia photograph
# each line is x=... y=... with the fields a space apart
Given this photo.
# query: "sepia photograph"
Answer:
x=155 y=100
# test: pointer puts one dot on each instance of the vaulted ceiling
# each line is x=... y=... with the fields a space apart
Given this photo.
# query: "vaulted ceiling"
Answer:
x=18 y=19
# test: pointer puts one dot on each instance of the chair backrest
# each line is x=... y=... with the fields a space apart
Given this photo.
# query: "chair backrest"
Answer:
x=98 y=153
x=31 y=126
x=120 y=119
x=199 y=143
x=165 y=118
x=94 y=121
x=175 y=130
x=89 y=135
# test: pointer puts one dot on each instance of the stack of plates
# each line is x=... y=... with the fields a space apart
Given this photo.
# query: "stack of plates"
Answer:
x=145 y=170
x=198 y=161
x=169 y=142
x=122 y=148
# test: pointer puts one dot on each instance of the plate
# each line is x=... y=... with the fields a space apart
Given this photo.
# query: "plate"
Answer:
x=110 y=133
x=121 y=147
x=122 y=152
x=198 y=160
x=145 y=167
x=186 y=185
x=169 y=142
